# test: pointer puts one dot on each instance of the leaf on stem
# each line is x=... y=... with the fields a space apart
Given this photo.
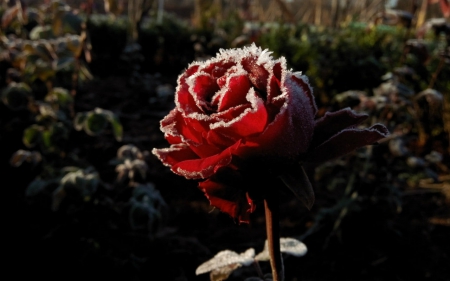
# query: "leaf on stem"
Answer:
x=227 y=259
x=288 y=245
x=300 y=185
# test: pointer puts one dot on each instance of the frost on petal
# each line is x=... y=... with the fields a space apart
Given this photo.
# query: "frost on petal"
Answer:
x=235 y=93
x=205 y=167
x=176 y=129
x=291 y=131
x=167 y=126
x=346 y=141
x=202 y=87
x=230 y=113
x=257 y=73
x=333 y=122
x=229 y=199
x=218 y=69
x=303 y=83
x=184 y=101
x=253 y=120
x=190 y=71
x=222 y=81
x=174 y=154
x=273 y=88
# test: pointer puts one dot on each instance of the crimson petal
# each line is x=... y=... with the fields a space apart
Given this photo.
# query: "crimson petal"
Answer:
x=174 y=154
x=257 y=74
x=253 y=120
x=346 y=141
x=228 y=199
x=237 y=89
x=205 y=167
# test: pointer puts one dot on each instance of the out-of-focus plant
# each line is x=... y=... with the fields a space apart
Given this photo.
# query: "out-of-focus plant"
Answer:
x=412 y=154
x=350 y=58
x=21 y=156
x=16 y=96
x=94 y=122
x=77 y=184
x=52 y=61
x=130 y=165
x=148 y=209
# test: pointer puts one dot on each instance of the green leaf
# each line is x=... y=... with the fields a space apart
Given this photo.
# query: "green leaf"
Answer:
x=41 y=32
x=116 y=126
x=46 y=110
x=82 y=182
x=95 y=123
x=46 y=137
x=59 y=96
x=78 y=122
x=16 y=95
x=31 y=135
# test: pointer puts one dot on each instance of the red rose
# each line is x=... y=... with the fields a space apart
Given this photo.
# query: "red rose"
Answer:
x=240 y=106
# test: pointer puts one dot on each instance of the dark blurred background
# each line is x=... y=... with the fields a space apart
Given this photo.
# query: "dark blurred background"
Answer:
x=84 y=85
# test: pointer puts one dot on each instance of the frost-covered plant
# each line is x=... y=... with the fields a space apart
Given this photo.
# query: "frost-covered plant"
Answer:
x=242 y=123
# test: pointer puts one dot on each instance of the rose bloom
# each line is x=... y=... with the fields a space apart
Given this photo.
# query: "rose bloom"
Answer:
x=242 y=119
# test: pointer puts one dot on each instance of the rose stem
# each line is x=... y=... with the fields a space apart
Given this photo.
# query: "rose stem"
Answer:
x=273 y=236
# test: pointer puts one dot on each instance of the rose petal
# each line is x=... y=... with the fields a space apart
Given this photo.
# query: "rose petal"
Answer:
x=202 y=88
x=168 y=127
x=253 y=120
x=183 y=99
x=333 y=122
x=273 y=89
x=230 y=113
x=218 y=69
x=219 y=140
x=346 y=141
x=228 y=199
x=235 y=92
x=291 y=131
x=175 y=128
x=205 y=167
x=303 y=83
x=174 y=154
x=257 y=74
x=279 y=67
x=179 y=129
